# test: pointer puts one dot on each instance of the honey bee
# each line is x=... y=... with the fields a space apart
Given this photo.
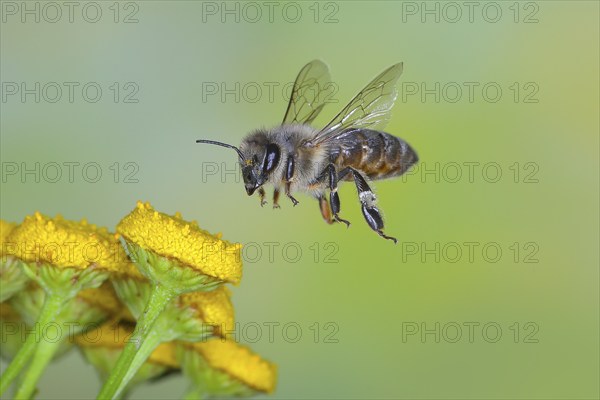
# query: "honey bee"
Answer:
x=297 y=157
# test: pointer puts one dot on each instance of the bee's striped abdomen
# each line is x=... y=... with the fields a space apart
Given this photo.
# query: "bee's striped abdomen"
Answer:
x=377 y=154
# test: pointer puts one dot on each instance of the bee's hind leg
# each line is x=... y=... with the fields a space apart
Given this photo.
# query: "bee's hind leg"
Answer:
x=367 y=200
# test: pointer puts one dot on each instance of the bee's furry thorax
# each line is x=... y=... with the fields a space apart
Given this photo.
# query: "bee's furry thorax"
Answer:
x=291 y=139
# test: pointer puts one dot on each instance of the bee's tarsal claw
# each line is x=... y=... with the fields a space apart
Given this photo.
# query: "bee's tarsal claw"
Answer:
x=387 y=237
x=338 y=219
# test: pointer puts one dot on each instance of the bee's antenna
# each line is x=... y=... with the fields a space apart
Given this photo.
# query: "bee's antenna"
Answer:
x=223 y=145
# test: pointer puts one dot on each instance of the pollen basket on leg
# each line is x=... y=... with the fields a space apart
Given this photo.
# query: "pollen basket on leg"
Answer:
x=368 y=198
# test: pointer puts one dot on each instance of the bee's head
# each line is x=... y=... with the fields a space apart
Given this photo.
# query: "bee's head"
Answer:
x=251 y=175
x=258 y=158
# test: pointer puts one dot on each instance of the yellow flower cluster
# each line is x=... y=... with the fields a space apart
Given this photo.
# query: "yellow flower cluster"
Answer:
x=214 y=307
x=5 y=229
x=65 y=243
x=103 y=297
x=164 y=241
x=239 y=362
x=172 y=237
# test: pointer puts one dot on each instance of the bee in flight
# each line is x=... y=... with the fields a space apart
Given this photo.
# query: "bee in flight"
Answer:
x=296 y=157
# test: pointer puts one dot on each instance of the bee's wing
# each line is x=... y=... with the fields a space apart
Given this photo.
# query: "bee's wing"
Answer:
x=308 y=94
x=371 y=108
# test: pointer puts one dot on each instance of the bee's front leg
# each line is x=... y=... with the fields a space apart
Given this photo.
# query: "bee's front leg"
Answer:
x=261 y=196
x=289 y=174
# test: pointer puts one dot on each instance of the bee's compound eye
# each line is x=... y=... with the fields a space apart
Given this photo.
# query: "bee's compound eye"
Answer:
x=271 y=158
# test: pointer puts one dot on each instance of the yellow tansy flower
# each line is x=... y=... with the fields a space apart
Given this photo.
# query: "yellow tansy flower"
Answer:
x=172 y=237
x=164 y=354
x=103 y=297
x=214 y=308
x=178 y=258
x=5 y=229
x=65 y=243
x=239 y=362
x=12 y=276
x=63 y=257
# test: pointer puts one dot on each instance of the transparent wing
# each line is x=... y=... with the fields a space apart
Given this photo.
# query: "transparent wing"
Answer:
x=371 y=108
x=309 y=93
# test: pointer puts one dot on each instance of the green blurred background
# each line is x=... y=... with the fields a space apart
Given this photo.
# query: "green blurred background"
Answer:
x=370 y=300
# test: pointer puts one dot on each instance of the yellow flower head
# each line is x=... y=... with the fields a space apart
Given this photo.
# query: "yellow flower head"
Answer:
x=239 y=362
x=165 y=354
x=114 y=335
x=5 y=229
x=103 y=297
x=214 y=308
x=65 y=243
x=172 y=237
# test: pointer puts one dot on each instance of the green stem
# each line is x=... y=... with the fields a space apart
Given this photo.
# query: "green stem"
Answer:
x=149 y=344
x=43 y=355
x=125 y=368
x=53 y=305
